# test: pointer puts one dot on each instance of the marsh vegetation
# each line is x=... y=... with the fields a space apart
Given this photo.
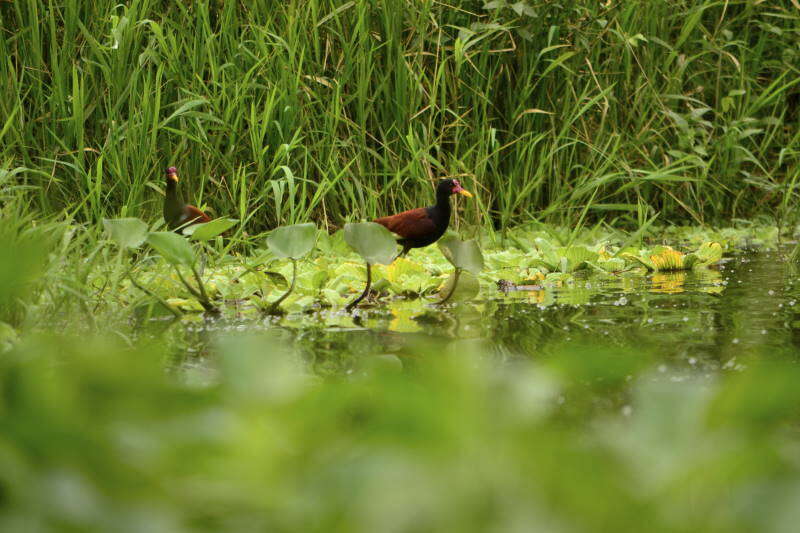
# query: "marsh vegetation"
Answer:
x=605 y=336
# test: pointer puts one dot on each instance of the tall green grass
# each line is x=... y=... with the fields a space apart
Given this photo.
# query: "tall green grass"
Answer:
x=280 y=112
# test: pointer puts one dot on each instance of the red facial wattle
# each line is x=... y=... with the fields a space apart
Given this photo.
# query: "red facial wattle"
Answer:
x=458 y=189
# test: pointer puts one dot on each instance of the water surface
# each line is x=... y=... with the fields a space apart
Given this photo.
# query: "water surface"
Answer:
x=702 y=321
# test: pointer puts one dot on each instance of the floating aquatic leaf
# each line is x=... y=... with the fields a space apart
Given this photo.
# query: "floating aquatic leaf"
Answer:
x=292 y=242
x=565 y=260
x=185 y=304
x=209 y=230
x=577 y=257
x=467 y=288
x=277 y=279
x=709 y=253
x=319 y=278
x=558 y=277
x=614 y=264
x=666 y=259
x=544 y=245
x=380 y=285
x=373 y=242
x=332 y=297
x=641 y=260
x=462 y=254
x=333 y=244
x=172 y=247
x=126 y=232
x=404 y=276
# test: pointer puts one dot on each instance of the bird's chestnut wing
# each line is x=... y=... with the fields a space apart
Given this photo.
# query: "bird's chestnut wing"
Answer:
x=412 y=224
x=194 y=215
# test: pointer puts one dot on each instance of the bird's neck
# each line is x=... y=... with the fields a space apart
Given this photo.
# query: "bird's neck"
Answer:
x=173 y=204
x=174 y=197
x=442 y=207
x=443 y=200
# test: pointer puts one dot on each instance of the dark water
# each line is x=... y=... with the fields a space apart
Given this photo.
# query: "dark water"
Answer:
x=704 y=321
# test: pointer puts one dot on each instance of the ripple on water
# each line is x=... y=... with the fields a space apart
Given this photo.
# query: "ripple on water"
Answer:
x=708 y=320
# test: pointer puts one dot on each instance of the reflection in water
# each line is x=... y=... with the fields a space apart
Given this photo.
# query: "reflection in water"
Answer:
x=703 y=280
x=668 y=282
x=704 y=320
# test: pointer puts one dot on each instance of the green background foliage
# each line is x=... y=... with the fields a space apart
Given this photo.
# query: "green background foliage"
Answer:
x=532 y=410
x=442 y=439
x=277 y=113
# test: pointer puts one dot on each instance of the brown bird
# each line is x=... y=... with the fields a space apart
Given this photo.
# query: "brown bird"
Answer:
x=424 y=225
x=177 y=213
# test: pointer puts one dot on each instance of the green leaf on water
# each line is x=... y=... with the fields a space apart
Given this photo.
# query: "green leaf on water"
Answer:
x=172 y=247
x=332 y=244
x=126 y=232
x=319 y=278
x=209 y=230
x=277 y=279
x=292 y=242
x=641 y=260
x=404 y=276
x=666 y=259
x=565 y=260
x=577 y=257
x=614 y=264
x=373 y=242
x=468 y=287
x=462 y=254
x=708 y=253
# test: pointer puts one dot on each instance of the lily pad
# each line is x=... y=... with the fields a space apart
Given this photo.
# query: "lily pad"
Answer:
x=126 y=232
x=468 y=287
x=373 y=242
x=462 y=254
x=292 y=242
x=209 y=230
x=172 y=247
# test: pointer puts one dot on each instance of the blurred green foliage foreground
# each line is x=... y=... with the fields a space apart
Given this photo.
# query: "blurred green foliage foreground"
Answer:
x=96 y=436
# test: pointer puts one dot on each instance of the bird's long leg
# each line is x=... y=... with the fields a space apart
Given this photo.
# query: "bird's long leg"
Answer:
x=403 y=252
x=364 y=294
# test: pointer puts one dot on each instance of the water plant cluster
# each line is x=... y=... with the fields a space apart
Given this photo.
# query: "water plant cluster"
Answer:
x=303 y=267
x=571 y=356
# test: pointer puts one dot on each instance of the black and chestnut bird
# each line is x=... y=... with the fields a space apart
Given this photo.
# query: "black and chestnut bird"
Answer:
x=177 y=213
x=424 y=225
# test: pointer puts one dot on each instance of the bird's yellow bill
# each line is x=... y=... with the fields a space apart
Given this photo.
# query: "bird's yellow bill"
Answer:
x=174 y=177
x=465 y=192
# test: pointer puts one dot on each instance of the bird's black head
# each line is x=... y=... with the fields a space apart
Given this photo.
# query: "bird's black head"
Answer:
x=450 y=186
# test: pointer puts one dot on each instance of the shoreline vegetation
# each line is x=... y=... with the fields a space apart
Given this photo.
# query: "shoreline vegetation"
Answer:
x=59 y=273
x=681 y=112
x=607 y=338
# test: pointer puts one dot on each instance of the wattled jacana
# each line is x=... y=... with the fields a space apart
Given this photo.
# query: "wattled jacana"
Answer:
x=177 y=213
x=424 y=225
